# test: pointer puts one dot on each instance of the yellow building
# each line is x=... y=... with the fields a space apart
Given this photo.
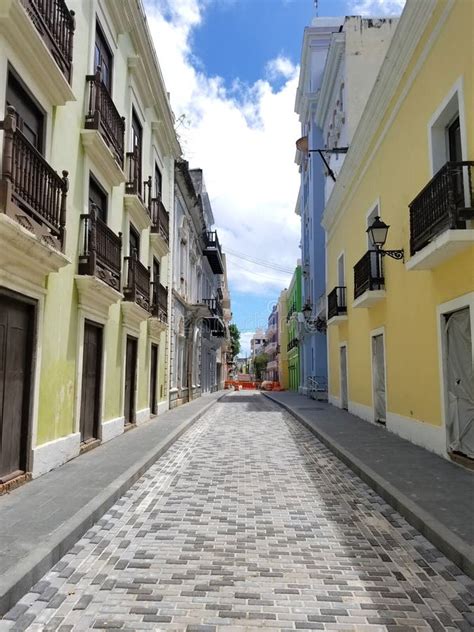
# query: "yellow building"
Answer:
x=86 y=187
x=400 y=330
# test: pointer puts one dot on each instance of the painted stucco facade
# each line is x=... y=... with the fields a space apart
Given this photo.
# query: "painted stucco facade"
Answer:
x=293 y=316
x=395 y=334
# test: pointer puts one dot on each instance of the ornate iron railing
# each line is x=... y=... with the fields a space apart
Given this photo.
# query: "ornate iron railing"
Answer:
x=104 y=117
x=160 y=219
x=368 y=273
x=31 y=184
x=101 y=250
x=446 y=202
x=159 y=306
x=215 y=306
x=292 y=344
x=337 y=301
x=56 y=24
x=137 y=282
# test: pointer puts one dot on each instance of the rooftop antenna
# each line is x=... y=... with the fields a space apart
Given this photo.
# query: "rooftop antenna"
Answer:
x=316 y=8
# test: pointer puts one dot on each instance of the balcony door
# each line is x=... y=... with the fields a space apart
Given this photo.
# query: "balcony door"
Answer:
x=137 y=144
x=103 y=58
x=459 y=383
x=91 y=383
x=30 y=118
x=455 y=155
x=98 y=199
x=16 y=359
x=378 y=379
x=130 y=380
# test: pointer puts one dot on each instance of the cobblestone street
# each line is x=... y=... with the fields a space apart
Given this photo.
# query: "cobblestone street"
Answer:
x=249 y=522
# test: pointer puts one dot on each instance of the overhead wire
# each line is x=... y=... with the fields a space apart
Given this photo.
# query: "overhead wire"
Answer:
x=259 y=262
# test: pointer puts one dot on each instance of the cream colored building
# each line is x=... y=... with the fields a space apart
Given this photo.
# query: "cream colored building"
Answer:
x=86 y=187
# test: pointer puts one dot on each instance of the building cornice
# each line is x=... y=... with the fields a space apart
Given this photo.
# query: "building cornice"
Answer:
x=410 y=29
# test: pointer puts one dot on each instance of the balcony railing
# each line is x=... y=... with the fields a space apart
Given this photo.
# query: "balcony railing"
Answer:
x=292 y=344
x=56 y=24
x=104 y=117
x=160 y=219
x=159 y=306
x=31 y=184
x=215 y=307
x=213 y=251
x=137 y=282
x=445 y=203
x=368 y=273
x=101 y=250
x=337 y=304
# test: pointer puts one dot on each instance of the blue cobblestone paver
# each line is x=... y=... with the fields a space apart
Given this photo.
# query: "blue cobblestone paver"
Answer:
x=248 y=522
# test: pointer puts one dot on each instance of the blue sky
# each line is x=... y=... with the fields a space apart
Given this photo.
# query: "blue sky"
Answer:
x=231 y=67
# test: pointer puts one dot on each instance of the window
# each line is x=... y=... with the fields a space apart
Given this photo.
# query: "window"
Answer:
x=30 y=117
x=445 y=133
x=98 y=198
x=134 y=241
x=158 y=182
x=341 y=280
x=370 y=218
x=103 y=58
x=137 y=136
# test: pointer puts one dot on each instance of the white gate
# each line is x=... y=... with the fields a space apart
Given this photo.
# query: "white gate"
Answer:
x=378 y=377
x=460 y=383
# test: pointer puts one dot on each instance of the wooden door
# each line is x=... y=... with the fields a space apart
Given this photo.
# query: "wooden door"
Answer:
x=130 y=380
x=103 y=58
x=91 y=383
x=153 y=379
x=16 y=359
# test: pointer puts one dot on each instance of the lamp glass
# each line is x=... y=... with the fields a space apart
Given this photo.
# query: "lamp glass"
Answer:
x=378 y=232
x=307 y=311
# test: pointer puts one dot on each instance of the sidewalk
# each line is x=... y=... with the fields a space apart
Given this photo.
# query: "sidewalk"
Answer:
x=42 y=520
x=434 y=495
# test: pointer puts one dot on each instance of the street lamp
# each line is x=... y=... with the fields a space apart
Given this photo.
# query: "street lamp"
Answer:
x=377 y=232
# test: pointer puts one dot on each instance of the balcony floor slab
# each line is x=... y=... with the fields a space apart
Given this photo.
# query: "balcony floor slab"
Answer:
x=336 y=320
x=99 y=152
x=369 y=298
x=95 y=296
x=442 y=248
x=23 y=255
x=137 y=211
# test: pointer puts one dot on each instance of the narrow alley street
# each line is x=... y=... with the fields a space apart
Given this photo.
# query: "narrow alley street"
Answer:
x=249 y=522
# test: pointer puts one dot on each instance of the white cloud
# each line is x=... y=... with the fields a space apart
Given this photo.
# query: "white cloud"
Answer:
x=279 y=67
x=245 y=337
x=243 y=137
x=376 y=8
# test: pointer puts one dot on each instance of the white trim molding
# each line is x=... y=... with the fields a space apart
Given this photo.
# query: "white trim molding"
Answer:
x=112 y=428
x=425 y=435
x=142 y=416
x=48 y=456
x=362 y=411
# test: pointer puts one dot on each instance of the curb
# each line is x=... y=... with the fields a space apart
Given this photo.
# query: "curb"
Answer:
x=31 y=569
x=444 y=539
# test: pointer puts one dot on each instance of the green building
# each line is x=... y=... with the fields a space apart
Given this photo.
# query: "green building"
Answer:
x=293 y=308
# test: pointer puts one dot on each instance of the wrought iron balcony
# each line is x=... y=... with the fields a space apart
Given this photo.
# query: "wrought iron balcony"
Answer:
x=159 y=304
x=101 y=250
x=56 y=24
x=292 y=344
x=368 y=273
x=104 y=117
x=445 y=203
x=215 y=307
x=160 y=219
x=30 y=184
x=215 y=322
x=137 y=282
x=337 y=304
x=213 y=252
